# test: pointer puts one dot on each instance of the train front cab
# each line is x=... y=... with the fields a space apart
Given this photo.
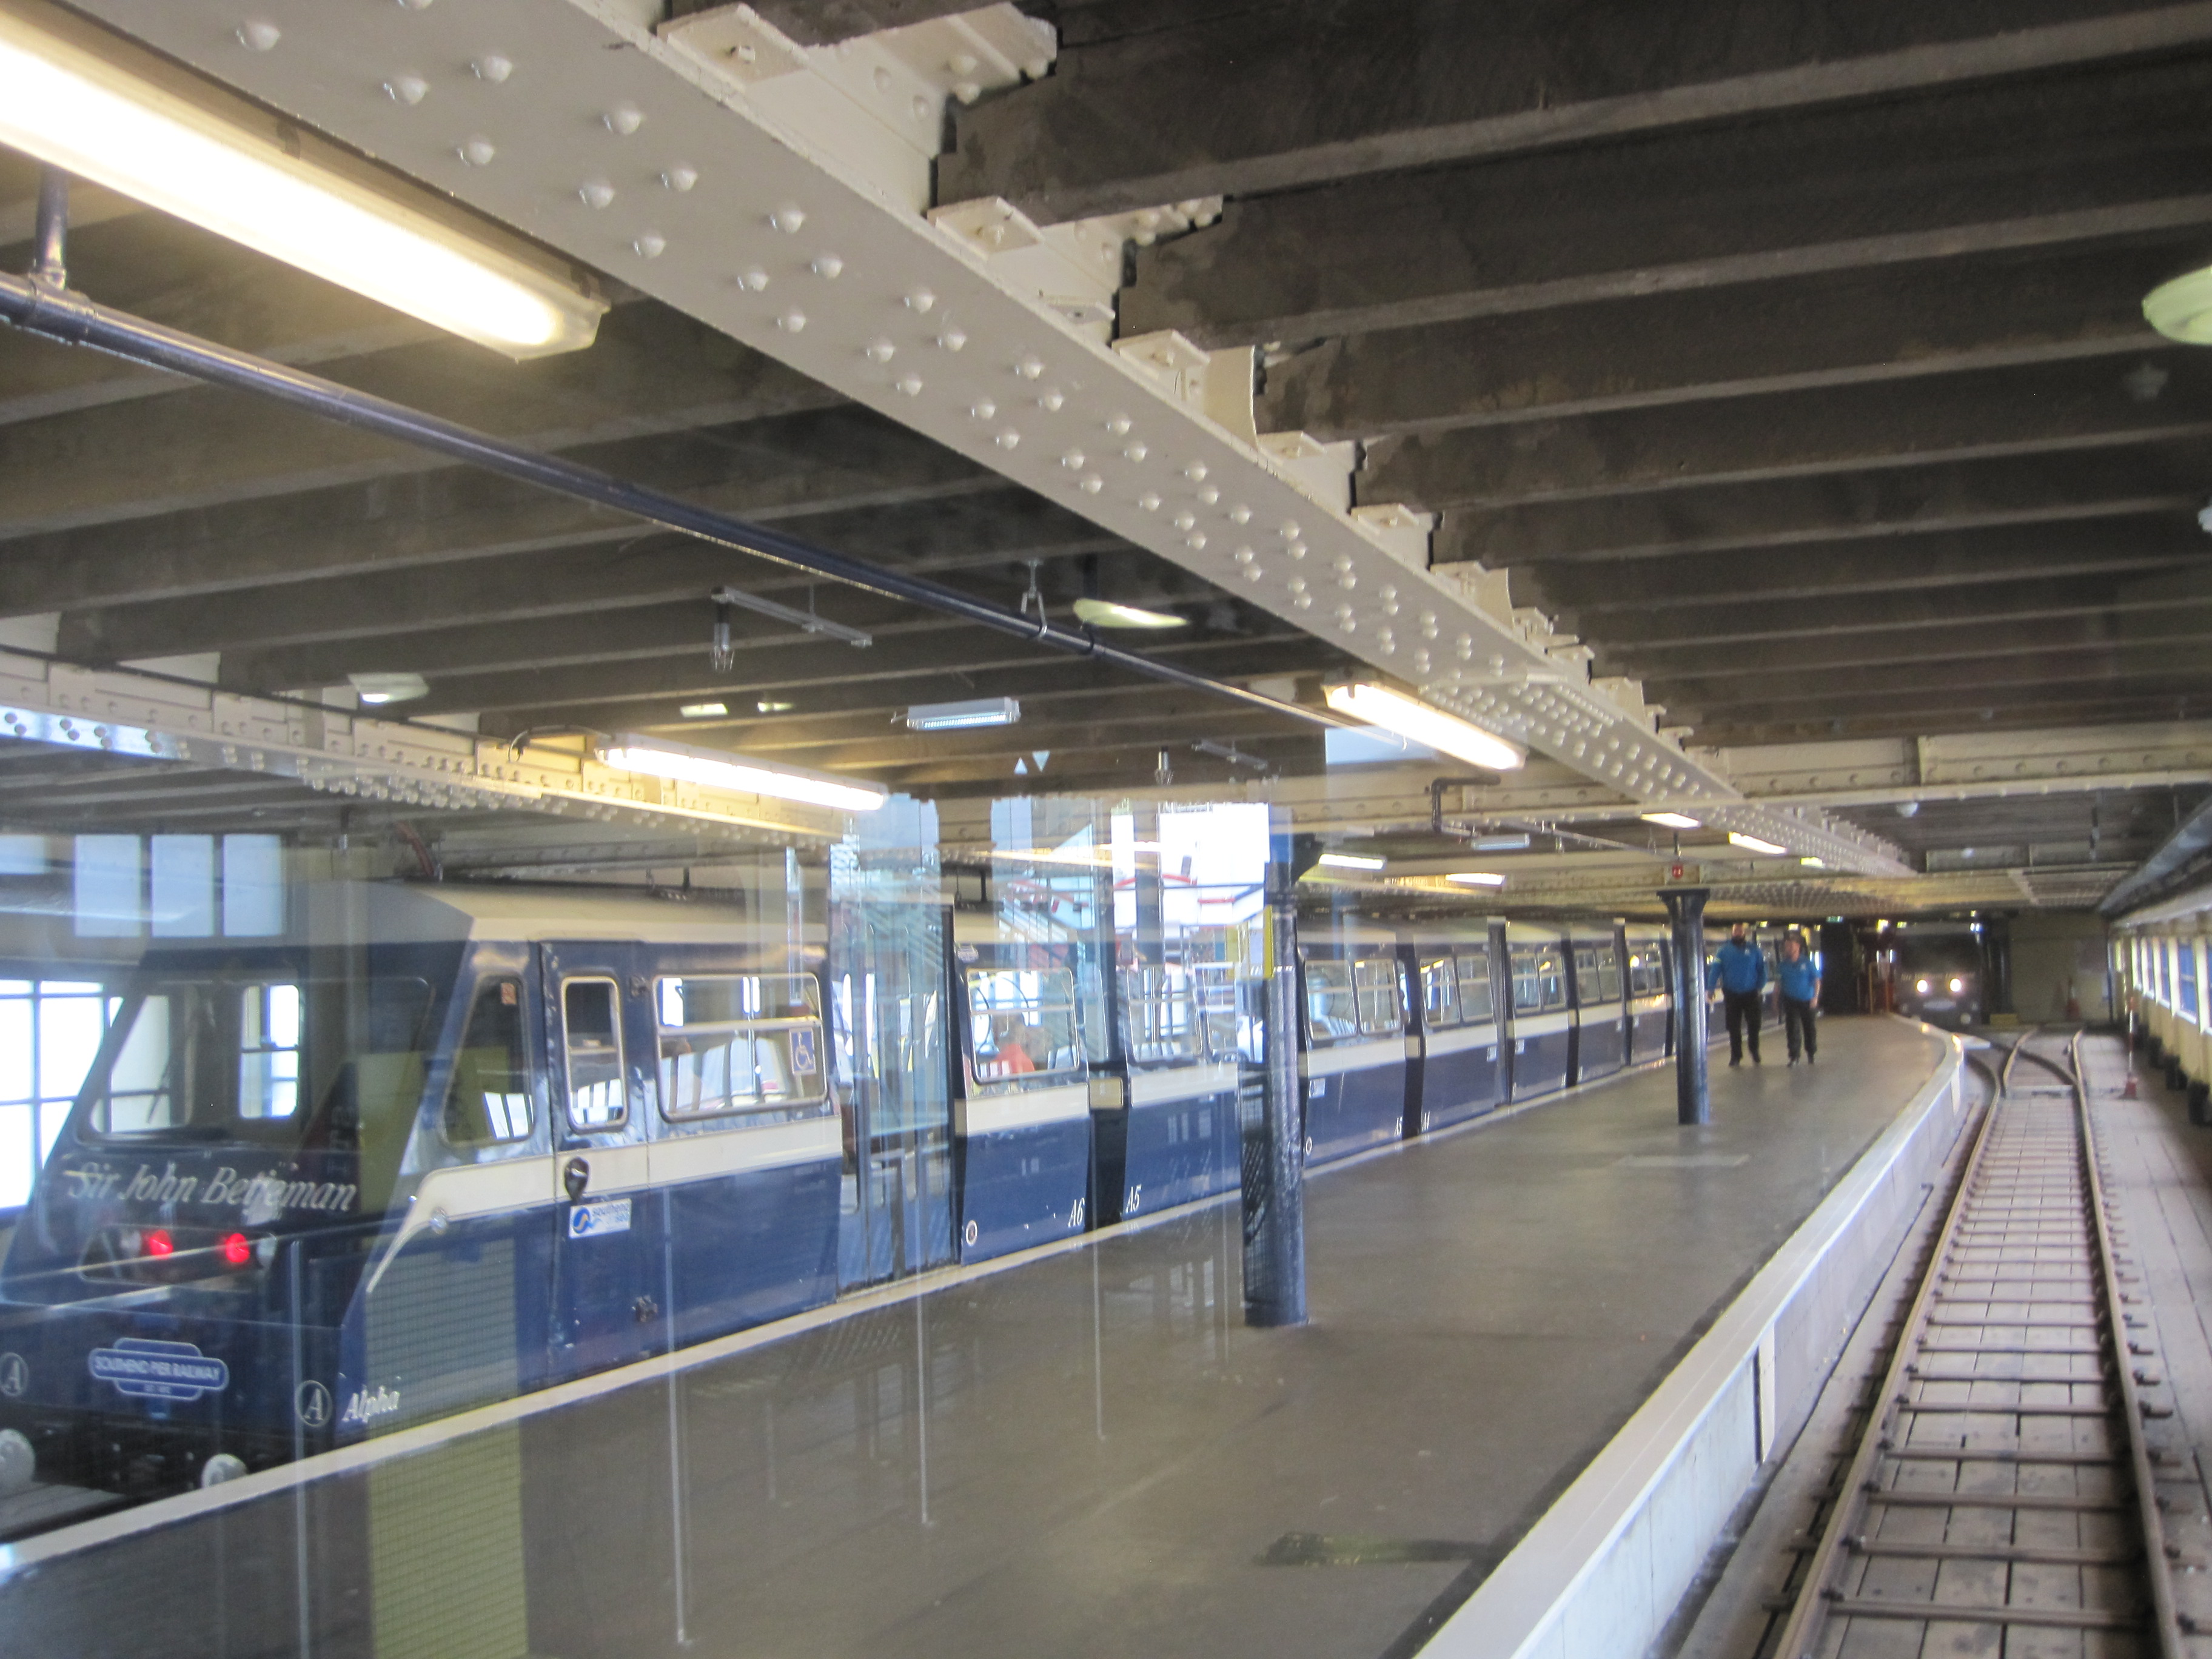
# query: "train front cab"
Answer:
x=306 y=1195
x=1455 y=1067
x=1650 y=1000
x=1601 y=1024
x=1021 y=1092
x=1352 y=1041
x=1542 y=1032
x=1164 y=1119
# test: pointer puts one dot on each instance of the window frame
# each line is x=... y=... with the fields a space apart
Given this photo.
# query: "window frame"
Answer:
x=753 y=1027
x=621 y=1121
x=1449 y=963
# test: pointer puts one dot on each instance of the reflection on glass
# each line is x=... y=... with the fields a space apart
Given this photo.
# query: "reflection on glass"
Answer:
x=1440 y=1002
x=1376 y=978
x=1160 y=1004
x=489 y=1101
x=1332 y=1010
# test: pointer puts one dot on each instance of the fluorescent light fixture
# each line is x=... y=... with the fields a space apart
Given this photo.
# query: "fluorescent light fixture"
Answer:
x=748 y=777
x=1104 y=613
x=1672 y=820
x=1517 y=843
x=1753 y=844
x=1351 y=861
x=140 y=133
x=1477 y=879
x=702 y=711
x=1811 y=863
x=376 y=688
x=2182 y=309
x=963 y=716
x=770 y=706
x=1406 y=717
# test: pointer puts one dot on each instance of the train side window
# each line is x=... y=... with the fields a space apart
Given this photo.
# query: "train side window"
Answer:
x=268 y=1050
x=139 y=1097
x=1527 y=980
x=1331 y=1010
x=739 y=1043
x=1474 y=1001
x=591 y=1016
x=1608 y=973
x=1440 y=999
x=1376 y=978
x=1023 y=1022
x=1587 y=984
x=1551 y=979
x=489 y=1103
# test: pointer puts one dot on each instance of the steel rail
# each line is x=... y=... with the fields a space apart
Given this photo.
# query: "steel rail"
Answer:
x=1799 y=1635
x=2165 y=1618
x=1821 y=1595
x=63 y=315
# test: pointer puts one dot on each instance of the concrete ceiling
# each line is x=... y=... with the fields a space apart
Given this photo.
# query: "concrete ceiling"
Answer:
x=1784 y=369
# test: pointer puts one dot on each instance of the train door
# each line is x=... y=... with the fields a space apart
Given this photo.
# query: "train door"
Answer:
x=607 y=1278
x=890 y=1004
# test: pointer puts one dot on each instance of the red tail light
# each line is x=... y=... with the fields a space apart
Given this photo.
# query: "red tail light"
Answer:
x=236 y=1251
x=157 y=1241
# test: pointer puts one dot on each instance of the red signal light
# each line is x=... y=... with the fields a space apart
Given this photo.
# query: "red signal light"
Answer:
x=235 y=1249
x=158 y=1243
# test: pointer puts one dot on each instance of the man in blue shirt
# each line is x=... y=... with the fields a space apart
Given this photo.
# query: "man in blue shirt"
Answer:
x=1798 y=979
x=1739 y=969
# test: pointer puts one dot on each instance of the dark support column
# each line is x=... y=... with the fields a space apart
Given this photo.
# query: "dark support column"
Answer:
x=1997 y=963
x=1685 y=908
x=1274 y=1135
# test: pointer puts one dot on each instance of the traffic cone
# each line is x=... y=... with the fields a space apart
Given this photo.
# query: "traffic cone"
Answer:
x=2127 y=1089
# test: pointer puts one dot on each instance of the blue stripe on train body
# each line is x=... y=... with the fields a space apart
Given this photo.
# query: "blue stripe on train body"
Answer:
x=1351 y=1041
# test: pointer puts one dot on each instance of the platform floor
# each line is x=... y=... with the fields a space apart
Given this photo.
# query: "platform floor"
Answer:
x=1094 y=1457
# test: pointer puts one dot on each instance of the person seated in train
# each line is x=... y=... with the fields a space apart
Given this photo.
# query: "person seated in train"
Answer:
x=1739 y=968
x=1799 y=980
x=1009 y=1058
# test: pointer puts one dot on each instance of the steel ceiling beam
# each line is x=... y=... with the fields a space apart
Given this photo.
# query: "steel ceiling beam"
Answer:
x=786 y=179
x=1243 y=98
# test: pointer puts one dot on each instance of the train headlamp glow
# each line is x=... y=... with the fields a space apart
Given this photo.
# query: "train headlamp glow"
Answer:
x=1921 y=985
x=72 y=107
x=1406 y=717
x=1957 y=985
x=733 y=772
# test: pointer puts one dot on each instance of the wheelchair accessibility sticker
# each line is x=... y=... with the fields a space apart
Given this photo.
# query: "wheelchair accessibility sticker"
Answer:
x=608 y=1215
x=146 y=1370
x=802 y=1052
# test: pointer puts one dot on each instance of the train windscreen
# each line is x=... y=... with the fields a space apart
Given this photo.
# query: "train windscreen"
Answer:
x=264 y=1061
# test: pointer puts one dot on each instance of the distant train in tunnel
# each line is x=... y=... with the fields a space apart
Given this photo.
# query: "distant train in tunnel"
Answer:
x=1939 y=977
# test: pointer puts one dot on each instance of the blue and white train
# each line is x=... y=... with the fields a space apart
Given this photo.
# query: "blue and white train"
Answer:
x=507 y=1136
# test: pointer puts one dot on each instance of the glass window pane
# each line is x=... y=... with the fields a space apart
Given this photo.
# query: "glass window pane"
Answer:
x=1376 y=977
x=1474 y=1000
x=592 y=1016
x=16 y=1053
x=489 y=1101
x=1022 y=1023
x=1440 y=1000
x=68 y=1037
x=18 y=1161
x=739 y=1043
x=1331 y=1011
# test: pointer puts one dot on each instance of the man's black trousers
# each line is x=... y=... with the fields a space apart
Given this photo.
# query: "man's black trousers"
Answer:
x=1797 y=1018
x=1742 y=1015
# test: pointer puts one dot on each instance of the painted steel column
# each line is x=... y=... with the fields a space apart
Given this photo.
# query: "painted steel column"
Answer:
x=1274 y=1135
x=1685 y=908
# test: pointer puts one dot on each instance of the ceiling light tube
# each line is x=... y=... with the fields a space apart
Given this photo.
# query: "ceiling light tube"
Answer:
x=735 y=772
x=1811 y=863
x=1477 y=879
x=1351 y=861
x=1753 y=844
x=135 y=130
x=376 y=688
x=1104 y=613
x=702 y=711
x=1672 y=820
x=1406 y=717
x=963 y=717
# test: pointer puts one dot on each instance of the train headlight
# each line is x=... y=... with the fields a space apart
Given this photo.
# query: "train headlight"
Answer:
x=1921 y=985
x=1957 y=985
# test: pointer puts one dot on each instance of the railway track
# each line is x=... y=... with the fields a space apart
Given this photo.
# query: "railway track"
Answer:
x=2002 y=1500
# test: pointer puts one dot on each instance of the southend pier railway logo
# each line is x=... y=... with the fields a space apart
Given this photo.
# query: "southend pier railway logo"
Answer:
x=147 y=1370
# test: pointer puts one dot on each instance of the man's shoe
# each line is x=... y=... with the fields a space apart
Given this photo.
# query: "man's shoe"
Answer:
x=1756 y=1061
x=1793 y=1059
x=1738 y=1060
x=1810 y=1058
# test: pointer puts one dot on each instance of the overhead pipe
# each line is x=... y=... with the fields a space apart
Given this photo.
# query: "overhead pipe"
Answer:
x=55 y=313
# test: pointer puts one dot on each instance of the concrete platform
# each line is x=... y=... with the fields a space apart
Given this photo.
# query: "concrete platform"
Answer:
x=1084 y=1455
